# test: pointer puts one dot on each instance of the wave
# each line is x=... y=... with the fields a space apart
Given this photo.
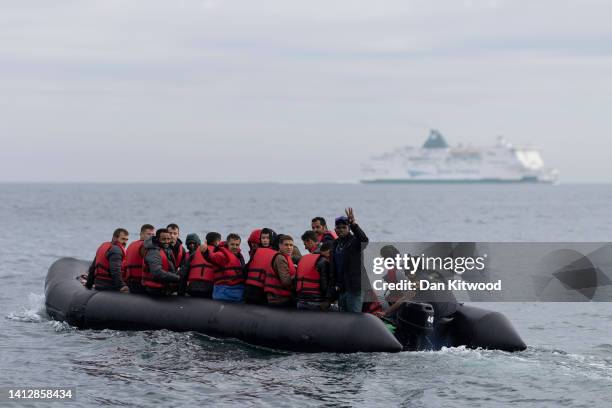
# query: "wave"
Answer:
x=33 y=312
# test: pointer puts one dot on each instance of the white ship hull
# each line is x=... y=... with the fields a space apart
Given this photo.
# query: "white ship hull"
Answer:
x=436 y=162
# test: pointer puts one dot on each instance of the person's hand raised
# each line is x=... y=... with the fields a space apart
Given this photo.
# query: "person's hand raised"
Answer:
x=350 y=215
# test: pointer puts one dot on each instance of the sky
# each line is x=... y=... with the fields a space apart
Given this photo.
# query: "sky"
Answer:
x=164 y=91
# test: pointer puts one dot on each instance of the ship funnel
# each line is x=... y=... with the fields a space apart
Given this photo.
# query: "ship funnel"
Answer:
x=435 y=140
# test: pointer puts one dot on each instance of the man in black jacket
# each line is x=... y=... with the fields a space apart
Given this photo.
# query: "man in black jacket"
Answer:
x=346 y=262
x=106 y=269
x=168 y=279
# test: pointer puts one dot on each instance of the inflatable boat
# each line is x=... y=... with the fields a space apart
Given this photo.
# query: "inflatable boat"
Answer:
x=66 y=299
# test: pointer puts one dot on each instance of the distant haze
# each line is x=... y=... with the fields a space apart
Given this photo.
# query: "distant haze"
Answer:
x=296 y=91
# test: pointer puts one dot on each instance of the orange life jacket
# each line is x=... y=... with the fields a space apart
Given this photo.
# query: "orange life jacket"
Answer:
x=134 y=262
x=179 y=256
x=329 y=234
x=272 y=283
x=200 y=269
x=232 y=273
x=372 y=307
x=307 y=276
x=102 y=272
x=260 y=266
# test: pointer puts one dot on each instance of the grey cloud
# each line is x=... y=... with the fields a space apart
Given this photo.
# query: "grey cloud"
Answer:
x=282 y=82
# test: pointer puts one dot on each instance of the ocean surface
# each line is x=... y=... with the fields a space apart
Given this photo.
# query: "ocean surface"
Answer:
x=568 y=361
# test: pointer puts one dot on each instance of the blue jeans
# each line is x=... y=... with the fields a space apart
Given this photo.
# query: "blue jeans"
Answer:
x=350 y=302
x=228 y=293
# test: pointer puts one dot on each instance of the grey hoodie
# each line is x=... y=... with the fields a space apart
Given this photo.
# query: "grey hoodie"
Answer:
x=153 y=260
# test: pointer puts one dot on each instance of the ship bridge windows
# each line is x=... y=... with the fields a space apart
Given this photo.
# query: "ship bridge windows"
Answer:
x=465 y=154
x=418 y=159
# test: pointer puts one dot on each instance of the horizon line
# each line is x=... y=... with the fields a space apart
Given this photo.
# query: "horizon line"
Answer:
x=264 y=182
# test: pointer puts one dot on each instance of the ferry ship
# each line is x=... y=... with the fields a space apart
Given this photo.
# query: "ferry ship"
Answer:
x=437 y=162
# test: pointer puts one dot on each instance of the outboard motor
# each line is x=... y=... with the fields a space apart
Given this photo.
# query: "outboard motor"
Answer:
x=415 y=325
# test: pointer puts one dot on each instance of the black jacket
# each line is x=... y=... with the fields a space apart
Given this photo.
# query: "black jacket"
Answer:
x=184 y=271
x=153 y=260
x=350 y=280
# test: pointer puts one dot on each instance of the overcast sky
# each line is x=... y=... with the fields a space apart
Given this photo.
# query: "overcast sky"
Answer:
x=295 y=91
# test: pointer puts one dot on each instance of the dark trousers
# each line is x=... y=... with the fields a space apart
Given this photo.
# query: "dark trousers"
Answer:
x=136 y=287
x=254 y=295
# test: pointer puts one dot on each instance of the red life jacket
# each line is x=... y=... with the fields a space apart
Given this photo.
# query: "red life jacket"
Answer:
x=372 y=307
x=260 y=266
x=102 y=272
x=232 y=273
x=312 y=250
x=307 y=276
x=328 y=234
x=134 y=262
x=272 y=283
x=391 y=275
x=200 y=269
x=392 y=295
x=179 y=256
x=255 y=237
x=147 y=278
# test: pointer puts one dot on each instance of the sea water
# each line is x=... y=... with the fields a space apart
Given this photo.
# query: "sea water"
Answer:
x=568 y=361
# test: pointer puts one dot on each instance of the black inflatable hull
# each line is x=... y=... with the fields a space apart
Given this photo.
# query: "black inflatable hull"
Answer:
x=67 y=300
x=307 y=331
x=474 y=327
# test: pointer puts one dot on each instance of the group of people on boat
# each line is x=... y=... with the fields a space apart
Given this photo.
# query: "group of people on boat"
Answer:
x=276 y=274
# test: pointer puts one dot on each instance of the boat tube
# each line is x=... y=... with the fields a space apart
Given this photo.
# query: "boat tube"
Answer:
x=66 y=299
